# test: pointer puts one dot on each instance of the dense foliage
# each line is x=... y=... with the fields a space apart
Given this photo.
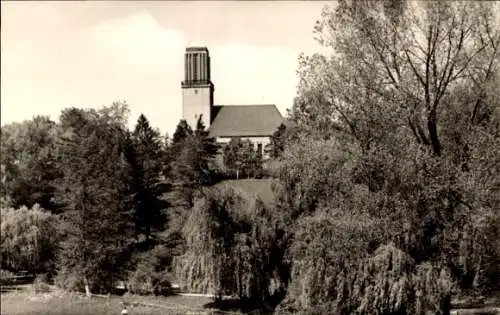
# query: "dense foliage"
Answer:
x=151 y=274
x=242 y=159
x=145 y=156
x=232 y=248
x=113 y=199
x=96 y=195
x=28 y=239
x=394 y=151
x=27 y=162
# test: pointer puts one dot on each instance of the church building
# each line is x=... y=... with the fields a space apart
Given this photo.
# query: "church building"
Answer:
x=256 y=123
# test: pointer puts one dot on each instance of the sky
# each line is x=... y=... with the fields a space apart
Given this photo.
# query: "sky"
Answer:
x=89 y=54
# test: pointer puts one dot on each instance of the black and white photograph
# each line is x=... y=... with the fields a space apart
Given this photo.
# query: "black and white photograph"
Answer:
x=250 y=157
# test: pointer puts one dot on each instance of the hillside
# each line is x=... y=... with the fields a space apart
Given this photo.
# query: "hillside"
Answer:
x=261 y=188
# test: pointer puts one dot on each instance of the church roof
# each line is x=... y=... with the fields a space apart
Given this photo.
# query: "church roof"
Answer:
x=245 y=121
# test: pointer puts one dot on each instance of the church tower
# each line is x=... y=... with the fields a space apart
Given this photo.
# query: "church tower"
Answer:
x=197 y=89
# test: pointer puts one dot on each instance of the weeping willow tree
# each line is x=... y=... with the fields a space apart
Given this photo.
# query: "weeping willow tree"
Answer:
x=386 y=282
x=390 y=282
x=325 y=247
x=209 y=234
x=260 y=267
x=28 y=239
x=231 y=248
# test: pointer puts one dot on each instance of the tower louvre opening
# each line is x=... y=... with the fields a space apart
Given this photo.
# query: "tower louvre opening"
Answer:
x=196 y=66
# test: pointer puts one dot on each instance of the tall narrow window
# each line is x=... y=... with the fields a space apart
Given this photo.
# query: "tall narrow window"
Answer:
x=259 y=149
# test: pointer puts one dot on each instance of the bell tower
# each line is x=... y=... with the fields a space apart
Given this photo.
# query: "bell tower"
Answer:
x=197 y=89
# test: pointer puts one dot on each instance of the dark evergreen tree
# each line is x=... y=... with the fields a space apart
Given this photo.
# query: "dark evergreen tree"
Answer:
x=182 y=132
x=193 y=165
x=277 y=145
x=145 y=157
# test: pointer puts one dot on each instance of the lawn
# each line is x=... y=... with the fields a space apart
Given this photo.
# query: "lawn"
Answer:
x=27 y=302
x=261 y=188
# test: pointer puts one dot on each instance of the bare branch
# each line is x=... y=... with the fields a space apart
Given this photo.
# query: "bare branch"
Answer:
x=415 y=71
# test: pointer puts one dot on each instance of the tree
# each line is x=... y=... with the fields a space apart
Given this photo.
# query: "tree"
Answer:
x=28 y=239
x=96 y=193
x=145 y=157
x=167 y=157
x=277 y=145
x=241 y=156
x=28 y=163
x=182 y=132
x=232 y=248
x=193 y=166
x=420 y=52
x=232 y=155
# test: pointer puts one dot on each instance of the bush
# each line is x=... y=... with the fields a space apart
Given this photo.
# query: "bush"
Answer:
x=145 y=281
x=6 y=277
x=151 y=276
x=40 y=285
x=69 y=281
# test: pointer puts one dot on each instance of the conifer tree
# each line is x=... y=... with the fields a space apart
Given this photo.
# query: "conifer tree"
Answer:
x=194 y=155
x=145 y=157
x=277 y=145
x=182 y=132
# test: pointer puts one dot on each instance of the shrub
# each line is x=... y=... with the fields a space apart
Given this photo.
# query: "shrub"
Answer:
x=145 y=281
x=6 y=277
x=151 y=276
x=69 y=281
x=40 y=285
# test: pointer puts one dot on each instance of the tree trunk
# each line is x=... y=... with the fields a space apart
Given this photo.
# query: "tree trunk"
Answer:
x=433 y=134
x=87 y=288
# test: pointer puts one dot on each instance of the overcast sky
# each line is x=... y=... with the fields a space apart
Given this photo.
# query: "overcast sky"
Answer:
x=91 y=53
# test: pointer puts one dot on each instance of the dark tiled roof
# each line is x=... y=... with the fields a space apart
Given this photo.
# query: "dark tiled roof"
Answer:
x=246 y=120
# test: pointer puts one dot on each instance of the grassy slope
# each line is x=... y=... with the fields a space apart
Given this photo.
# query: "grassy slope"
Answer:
x=261 y=188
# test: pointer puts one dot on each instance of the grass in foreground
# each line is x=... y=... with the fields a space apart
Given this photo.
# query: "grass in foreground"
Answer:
x=60 y=303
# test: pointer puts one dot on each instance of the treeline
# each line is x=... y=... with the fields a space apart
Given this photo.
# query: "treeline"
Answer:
x=87 y=202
